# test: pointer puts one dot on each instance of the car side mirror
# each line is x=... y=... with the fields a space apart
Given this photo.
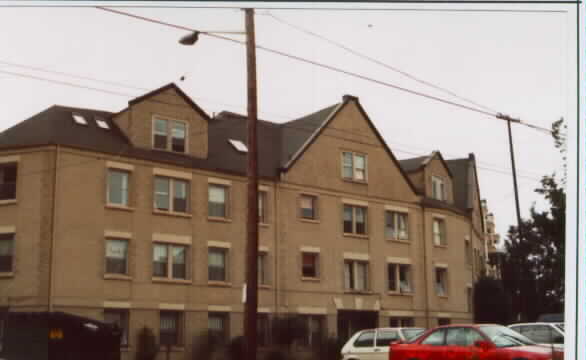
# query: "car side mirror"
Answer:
x=484 y=345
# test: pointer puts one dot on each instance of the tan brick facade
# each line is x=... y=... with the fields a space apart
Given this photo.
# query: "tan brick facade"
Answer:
x=68 y=244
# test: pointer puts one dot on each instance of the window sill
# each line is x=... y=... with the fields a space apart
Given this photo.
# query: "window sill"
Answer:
x=443 y=296
x=119 y=207
x=399 y=241
x=171 y=213
x=310 y=221
x=117 y=277
x=264 y=286
x=358 y=236
x=354 y=181
x=219 y=219
x=174 y=348
x=359 y=292
x=310 y=279
x=170 y=280
x=440 y=246
x=8 y=202
x=265 y=225
x=395 y=293
x=6 y=275
x=219 y=283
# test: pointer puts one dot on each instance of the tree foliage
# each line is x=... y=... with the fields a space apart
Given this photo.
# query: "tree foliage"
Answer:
x=533 y=264
x=492 y=304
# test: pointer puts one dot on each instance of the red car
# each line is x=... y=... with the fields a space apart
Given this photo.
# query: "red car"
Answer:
x=472 y=342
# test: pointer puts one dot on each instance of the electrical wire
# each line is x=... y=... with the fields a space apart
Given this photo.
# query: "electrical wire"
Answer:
x=378 y=62
x=311 y=62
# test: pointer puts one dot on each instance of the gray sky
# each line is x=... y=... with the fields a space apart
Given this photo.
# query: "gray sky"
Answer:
x=514 y=62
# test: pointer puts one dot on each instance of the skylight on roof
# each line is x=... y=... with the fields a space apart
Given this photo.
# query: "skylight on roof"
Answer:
x=102 y=123
x=238 y=145
x=79 y=119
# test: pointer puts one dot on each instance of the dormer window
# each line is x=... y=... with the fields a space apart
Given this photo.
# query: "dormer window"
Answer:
x=169 y=135
x=438 y=188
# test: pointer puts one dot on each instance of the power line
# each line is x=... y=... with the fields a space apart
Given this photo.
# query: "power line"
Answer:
x=311 y=62
x=297 y=127
x=378 y=62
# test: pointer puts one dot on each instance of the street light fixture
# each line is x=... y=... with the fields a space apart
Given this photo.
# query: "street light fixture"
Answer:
x=251 y=295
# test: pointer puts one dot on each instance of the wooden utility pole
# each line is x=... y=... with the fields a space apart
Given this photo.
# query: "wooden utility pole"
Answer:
x=250 y=306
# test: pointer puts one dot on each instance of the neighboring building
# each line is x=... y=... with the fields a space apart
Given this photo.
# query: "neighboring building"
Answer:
x=493 y=253
x=138 y=217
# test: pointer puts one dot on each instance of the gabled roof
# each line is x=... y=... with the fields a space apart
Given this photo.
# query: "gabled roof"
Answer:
x=323 y=117
x=180 y=92
x=418 y=163
x=462 y=181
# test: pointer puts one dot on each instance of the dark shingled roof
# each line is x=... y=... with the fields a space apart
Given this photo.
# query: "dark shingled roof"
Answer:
x=295 y=133
x=412 y=164
x=459 y=169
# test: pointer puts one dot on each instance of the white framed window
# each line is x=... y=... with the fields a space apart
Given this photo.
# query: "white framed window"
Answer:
x=439 y=232
x=118 y=187
x=308 y=207
x=310 y=265
x=7 y=252
x=354 y=166
x=355 y=219
x=218 y=200
x=399 y=278
x=438 y=188
x=169 y=261
x=120 y=317
x=169 y=135
x=117 y=256
x=8 y=176
x=170 y=329
x=356 y=275
x=171 y=194
x=102 y=123
x=217 y=264
x=441 y=281
x=396 y=225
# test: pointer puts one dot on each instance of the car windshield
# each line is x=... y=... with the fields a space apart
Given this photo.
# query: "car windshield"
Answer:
x=504 y=337
x=412 y=334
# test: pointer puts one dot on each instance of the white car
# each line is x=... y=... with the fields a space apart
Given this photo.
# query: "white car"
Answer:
x=373 y=344
x=542 y=333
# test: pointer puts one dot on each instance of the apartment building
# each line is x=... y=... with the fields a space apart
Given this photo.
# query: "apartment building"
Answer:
x=138 y=217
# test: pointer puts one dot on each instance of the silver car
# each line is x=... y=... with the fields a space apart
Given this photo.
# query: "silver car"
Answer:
x=544 y=333
x=373 y=344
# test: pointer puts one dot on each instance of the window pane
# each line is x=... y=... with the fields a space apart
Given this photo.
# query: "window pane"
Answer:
x=160 y=259
x=262 y=269
x=116 y=256
x=361 y=276
x=160 y=134
x=217 y=265
x=390 y=227
x=309 y=265
x=360 y=167
x=118 y=187
x=392 y=274
x=178 y=136
x=261 y=206
x=348 y=167
x=360 y=220
x=348 y=275
x=348 y=215
x=169 y=328
x=161 y=193
x=6 y=252
x=404 y=278
x=402 y=225
x=179 y=262
x=436 y=338
x=8 y=181
x=218 y=324
x=217 y=201
x=307 y=207
x=180 y=196
x=366 y=339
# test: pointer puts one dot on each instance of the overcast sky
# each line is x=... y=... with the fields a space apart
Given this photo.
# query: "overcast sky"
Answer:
x=514 y=62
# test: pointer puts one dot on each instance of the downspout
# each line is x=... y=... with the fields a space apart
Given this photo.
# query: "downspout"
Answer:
x=53 y=231
x=425 y=269
x=276 y=238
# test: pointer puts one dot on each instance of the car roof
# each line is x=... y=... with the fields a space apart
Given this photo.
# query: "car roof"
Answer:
x=535 y=323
